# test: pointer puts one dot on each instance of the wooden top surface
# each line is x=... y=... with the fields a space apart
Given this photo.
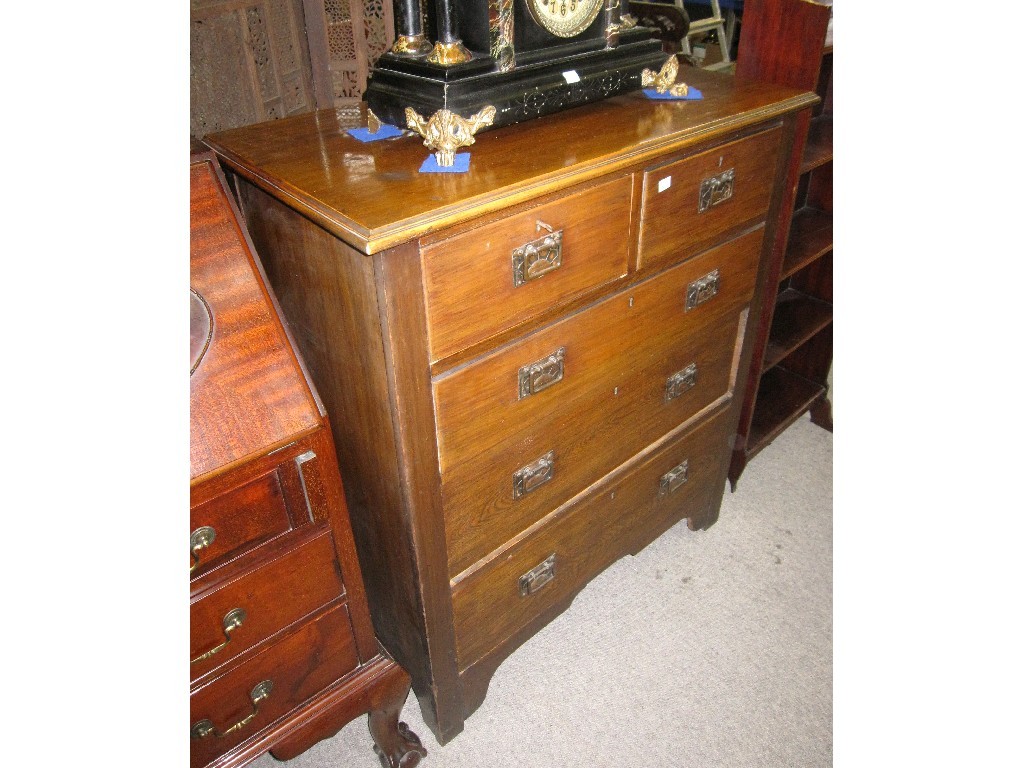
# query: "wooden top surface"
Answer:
x=372 y=195
x=248 y=392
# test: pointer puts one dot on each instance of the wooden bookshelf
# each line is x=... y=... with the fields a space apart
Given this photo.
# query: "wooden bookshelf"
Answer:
x=797 y=318
x=782 y=398
x=783 y=42
x=810 y=238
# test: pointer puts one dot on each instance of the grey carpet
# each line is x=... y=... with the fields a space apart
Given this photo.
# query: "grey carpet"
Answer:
x=708 y=649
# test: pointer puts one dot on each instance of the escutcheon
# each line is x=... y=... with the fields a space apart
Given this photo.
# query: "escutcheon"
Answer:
x=542 y=374
x=536 y=258
x=702 y=290
x=674 y=479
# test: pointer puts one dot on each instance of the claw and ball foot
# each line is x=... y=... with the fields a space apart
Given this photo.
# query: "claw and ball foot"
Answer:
x=395 y=744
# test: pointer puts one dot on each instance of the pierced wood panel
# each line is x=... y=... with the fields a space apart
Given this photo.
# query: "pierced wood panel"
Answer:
x=357 y=32
x=249 y=63
x=258 y=60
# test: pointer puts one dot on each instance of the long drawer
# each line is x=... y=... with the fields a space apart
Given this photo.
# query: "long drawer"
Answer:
x=246 y=611
x=679 y=480
x=500 y=275
x=525 y=429
x=237 y=705
x=689 y=204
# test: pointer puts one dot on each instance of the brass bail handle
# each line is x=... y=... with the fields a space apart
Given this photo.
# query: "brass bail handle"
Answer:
x=201 y=538
x=232 y=621
x=205 y=728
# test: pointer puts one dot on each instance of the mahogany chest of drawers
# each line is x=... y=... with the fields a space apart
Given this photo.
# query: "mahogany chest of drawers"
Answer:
x=282 y=648
x=534 y=364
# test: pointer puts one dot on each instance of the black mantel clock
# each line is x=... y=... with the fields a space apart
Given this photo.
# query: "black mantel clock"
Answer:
x=525 y=58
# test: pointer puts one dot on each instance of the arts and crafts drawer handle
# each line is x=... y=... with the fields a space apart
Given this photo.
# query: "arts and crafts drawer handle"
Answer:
x=716 y=190
x=533 y=475
x=537 y=577
x=680 y=382
x=232 y=621
x=201 y=538
x=536 y=258
x=260 y=693
x=542 y=374
x=702 y=290
x=672 y=480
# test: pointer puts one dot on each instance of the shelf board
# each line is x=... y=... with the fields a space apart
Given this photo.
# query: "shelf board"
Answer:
x=797 y=318
x=782 y=398
x=818 y=149
x=810 y=237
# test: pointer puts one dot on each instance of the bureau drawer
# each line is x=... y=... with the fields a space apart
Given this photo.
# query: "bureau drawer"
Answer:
x=623 y=515
x=503 y=274
x=525 y=429
x=237 y=521
x=297 y=668
x=689 y=204
x=247 y=610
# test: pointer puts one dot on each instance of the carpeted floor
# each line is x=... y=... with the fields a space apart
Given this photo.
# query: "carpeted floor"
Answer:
x=709 y=650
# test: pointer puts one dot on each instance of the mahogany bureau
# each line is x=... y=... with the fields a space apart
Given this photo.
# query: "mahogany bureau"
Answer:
x=282 y=648
x=532 y=365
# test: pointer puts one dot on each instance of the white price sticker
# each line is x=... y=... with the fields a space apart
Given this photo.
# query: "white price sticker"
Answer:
x=571 y=76
x=664 y=183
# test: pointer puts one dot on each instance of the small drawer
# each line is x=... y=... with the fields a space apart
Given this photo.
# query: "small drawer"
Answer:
x=502 y=598
x=253 y=695
x=503 y=274
x=246 y=611
x=237 y=521
x=688 y=205
x=523 y=430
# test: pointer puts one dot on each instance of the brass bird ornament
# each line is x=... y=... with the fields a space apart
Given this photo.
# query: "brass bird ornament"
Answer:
x=665 y=79
x=446 y=131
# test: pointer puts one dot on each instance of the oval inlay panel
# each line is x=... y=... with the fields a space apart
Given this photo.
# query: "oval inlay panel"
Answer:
x=201 y=323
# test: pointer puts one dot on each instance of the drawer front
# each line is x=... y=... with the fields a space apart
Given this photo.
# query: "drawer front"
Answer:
x=624 y=515
x=522 y=431
x=231 y=524
x=246 y=611
x=503 y=274
x=298 y=667
x=690 y=203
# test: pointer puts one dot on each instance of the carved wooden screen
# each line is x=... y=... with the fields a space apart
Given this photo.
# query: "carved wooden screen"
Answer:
x=249 y=63
x=257 y=60
x=357 y=32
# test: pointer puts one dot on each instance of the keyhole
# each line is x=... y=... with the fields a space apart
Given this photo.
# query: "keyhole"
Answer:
x=720 y=161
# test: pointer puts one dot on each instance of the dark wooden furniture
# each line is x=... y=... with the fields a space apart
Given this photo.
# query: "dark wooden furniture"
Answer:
x=282 y=648
x=783 y=42
x=670 y=21
x=533 y=364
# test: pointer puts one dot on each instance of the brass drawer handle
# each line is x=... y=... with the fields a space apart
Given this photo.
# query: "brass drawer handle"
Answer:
x=537 y=577
x=542 y=374
x=201 y=538
x=672 y=480
x=205 y=728
x=702 y=290
x=533 y=475
x=232 y=621
x=680 y=382
x=536 y=258
x=716 y=190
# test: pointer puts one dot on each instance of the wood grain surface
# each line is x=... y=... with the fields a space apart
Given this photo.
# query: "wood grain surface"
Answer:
x=372 y=195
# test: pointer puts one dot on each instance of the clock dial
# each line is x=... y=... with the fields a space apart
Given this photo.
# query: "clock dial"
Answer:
x=565 y=18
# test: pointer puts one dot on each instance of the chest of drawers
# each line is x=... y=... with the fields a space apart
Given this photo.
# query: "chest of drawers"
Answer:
x=282 y=648
x=534 y=364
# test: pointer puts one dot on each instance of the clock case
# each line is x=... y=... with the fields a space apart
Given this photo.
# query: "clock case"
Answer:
x=540 y=83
